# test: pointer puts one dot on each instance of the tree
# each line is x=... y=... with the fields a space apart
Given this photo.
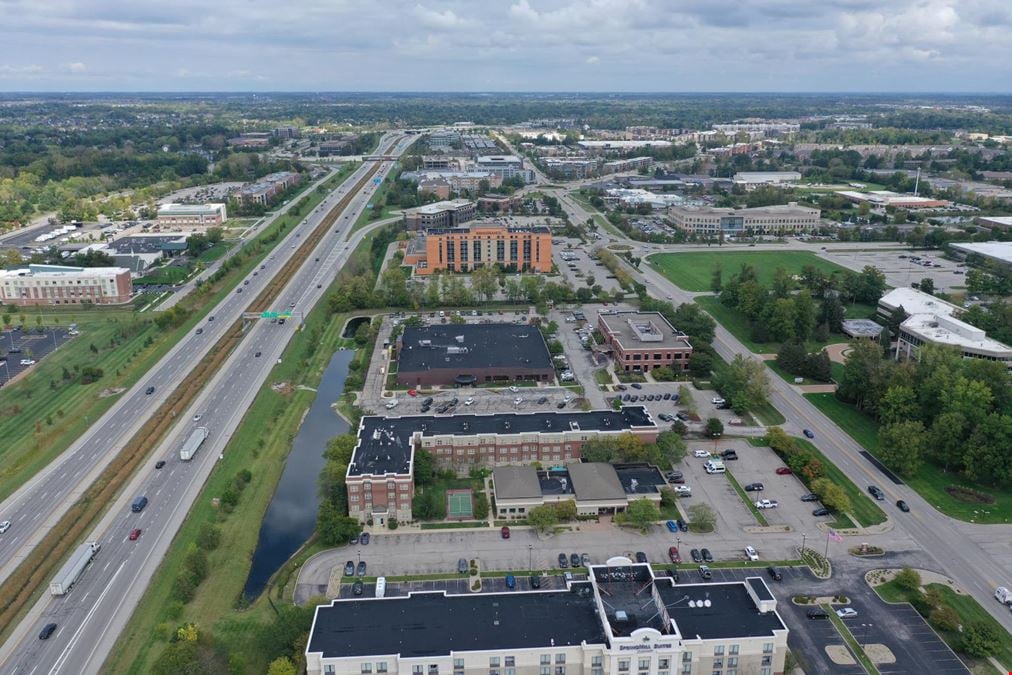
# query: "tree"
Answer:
x=663 y=374
x=908 y=579
x=429 y=505
x=714 y=428
x=902 y=446
x=481 y=506
x=863 y=378
x=832 y=495
x=694 y=322
x=566 y=510
x=425 y=467
x=980 y=639
x=672 y=447
x=334 y=528
x=928 y=285
x=716 y=280
x=700 y=364
x=944 y=618
x=209 y=537
x=744 y=383
x=791 y=357
x=485 y=281
x=818 y=367
x=702 y=517
x=543 y=518
x=780 y=320
x=804 y=315
x=641 y=514
x=668 y=497
x=898 y=404
x=831 y=312
x=281 y=666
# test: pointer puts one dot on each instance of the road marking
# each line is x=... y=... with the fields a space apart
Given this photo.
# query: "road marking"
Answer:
x=77 y=634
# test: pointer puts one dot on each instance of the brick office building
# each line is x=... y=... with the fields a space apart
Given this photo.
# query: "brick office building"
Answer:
x=464 y=248
x=641 y=341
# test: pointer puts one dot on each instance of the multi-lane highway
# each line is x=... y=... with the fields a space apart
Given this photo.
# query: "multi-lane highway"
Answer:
x=92 y=615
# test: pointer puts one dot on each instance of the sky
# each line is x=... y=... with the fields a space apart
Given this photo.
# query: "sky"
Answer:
x=506 y=45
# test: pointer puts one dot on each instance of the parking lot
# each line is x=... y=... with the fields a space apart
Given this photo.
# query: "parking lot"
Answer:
x=28 y=345
x=582 y=268
x=900 y=272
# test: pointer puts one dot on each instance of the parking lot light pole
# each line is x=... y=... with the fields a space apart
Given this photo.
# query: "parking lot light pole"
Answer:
x=359 y=553
x=864 y=638
x=530 y=557
x=803 y=535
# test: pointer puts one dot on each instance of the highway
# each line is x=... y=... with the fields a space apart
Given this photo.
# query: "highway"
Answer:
x=92 y=615
x=42 y=501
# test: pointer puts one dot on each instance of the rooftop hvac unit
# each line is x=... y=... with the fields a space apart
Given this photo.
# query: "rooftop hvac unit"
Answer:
x=425 y=343
x=459 y=339
x=621 y=616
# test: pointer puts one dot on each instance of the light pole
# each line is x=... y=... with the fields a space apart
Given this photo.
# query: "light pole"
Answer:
x=803 y=535
x=864 y=638
x=359 y=554
x=826 y=554
x=530 y=557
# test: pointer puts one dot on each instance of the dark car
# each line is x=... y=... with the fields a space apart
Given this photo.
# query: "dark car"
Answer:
x=704 y=572
x=633 y=398
x=427 y=401
x=364 y=539
x=361 y=569
x=682 y=416
x=672 y=475
x=462 y=566
x=808 y=433
x=574 y=560
x=561 y=405
x=563 y=561
x=505 y=532
x=682 y=525
x=902 y=506
x=641 y=557
x=349 y=568
x=673 y=573
x=696 y=558
x=755 y=487
x=257 y=355
x=783 y=471
x=621 y=387
x=200 y=331
x=535 y=581
x=149 y=391
x=543 y=400
x=774 y=573
x=822 y=511
x=160 y=463
x=664 y=417
x=876 y=492
x=46 y=631
x=636 y=385
x=626 y=397
x=357 y=587
x=707 y=556
x=729 y=454
x=817 y=614
x=810 y=497
x=667 y=396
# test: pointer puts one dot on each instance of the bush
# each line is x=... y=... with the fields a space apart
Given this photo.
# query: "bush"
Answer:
x=908 y=579
x=392 y=523
x=980 y=639
x=944 y=618
x=209 y=537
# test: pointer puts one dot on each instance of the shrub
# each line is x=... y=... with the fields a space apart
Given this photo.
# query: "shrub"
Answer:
x=908 y=579
x=392 y=523
x=944 y=618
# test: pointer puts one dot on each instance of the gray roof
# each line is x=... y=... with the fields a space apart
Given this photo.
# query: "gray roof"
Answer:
x=596 y=481
x=861 y=328
x=461 y=347
x=516 y=482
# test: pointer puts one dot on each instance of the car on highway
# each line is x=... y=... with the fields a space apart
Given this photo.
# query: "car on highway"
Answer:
x=751 y=553
x=672 y=526
x=238 y=290
x=28 y=362
x=783 y=471
x=846 y=612
x=704 y=572
x=821 y=511
x=211 y=318
x=364 y=539
x=149 y=391
x=808 y=433
x=563 y=561
x=196 y=418
x=46 y=631
x=257 y=355
x=349 y=568
x=696 y=557
x=200 y=331
x=505 y=532
x=159 y=464
x=755 y=487
x=246 y=283
x=673 y=553
x=902 y=506
x=360 y=571
x=876 y=492
x=4 y=526
x=135 y=534
x=357 y=588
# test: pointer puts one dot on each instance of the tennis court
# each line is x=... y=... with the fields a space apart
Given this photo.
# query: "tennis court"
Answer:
x=459 y=505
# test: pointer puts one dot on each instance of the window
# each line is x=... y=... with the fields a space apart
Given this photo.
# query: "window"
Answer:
x=417 y=670
x=731 y=671
x=381 y=667
x=767 y=660
x=686 y=656
x=366 y=668
x=644 y=664
x=733 y=649
x=623 y=665
x=663 y=664
x=686 y=668
x=732 y=662
x=433 y=669
x=546 y=670
x=767 y=648
x=560 y=670
x=510 y=671
x=596 y=661
x=560 y=658
x=718 y=650
x=718 y=664
x=493 y=662
x=511 y=661
x=458 y=664
x=328 y=670
x=597 y=671
x=767 y=671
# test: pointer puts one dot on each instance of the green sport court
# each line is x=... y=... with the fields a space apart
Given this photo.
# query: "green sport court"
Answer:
x=459 y=505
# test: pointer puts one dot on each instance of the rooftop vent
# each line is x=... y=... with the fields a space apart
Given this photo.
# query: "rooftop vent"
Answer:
x=621 y=616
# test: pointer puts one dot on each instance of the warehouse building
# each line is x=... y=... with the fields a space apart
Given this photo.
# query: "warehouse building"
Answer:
x=621 y=620
x=380 y=477
x=59 y=285
x=469 y=354
x=641 y=341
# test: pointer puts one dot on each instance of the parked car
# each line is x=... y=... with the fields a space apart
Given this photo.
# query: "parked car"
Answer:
x=707 y=556
x=664 y=417
x=701 y=453
x=354 y=540
x=673 y=554
x=821 y=511
x=543 y=400
x=816 y=614
x=584 y=560
x=505 y=532
x=673 y=573
x=810 y=497
x=767 y=504
x=683 y=490
x=902 y=506
x=682 y=525
x=535 y=581
x=412 y=392
x=682 y=416
x=636 y=385
x=563 y=561
x=361 y=569
x=751 y=553
x=754 y=487
x=704 y=572
x=808 y=433
x=364 y=539
x=574 y=560
x=511 y=581
x=696 y=557
x=672 y=526
x=462 y=566
x=846 y=612
x=729 y=455
x=672 y=475
x=560 y=405
x=349 y=568
x=784 y=471
x=717 y=400
x=469 y=400
x=774 y=573
x=667 y=396
x=357 y=588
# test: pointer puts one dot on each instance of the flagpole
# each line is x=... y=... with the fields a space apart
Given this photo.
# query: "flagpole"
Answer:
x=828 y=535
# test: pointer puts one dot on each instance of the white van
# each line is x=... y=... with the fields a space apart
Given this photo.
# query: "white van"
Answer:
x=1003 y=595
x=714 y=466
x=381 y=586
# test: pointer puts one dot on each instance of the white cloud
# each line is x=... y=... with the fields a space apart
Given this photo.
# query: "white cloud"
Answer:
x=593 y=59
x=74 y=67
x=444 y=20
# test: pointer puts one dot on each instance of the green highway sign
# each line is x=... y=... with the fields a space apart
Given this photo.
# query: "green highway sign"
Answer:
x=268 y=315
x=285 y=315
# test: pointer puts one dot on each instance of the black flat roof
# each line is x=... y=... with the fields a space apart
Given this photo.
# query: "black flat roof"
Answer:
x=434 y=624
x=461 y=347
x=716 y=611
x=639 y=478
x=384 y=442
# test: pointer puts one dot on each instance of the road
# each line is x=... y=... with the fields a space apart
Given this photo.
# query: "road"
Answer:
x=41 y=502
x=92 y=615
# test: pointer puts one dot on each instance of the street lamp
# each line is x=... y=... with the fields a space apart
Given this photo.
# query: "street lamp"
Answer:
x=803 y=535
x=864 y=638
x=359 y=553
x=530 y=557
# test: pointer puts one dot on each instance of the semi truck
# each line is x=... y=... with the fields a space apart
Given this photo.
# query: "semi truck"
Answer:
x=193 y=443
x=73 y=568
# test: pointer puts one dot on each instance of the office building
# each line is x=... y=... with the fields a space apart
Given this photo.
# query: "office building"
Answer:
x=285 y=132
x=942 y=329
x=617 y=146
x=469 y=354
x=884 y=198
x=499 y=203
x=571 y=168
x=137 y=252
x=753 y=179
x=621 y=620
x=430 y=162
x=762 y=220
x=641 y=341
x=631 y=164
x=506 y=166
x=597 y=488
x=380 y=479
x=997 y=252
x=758 y=128
x=464 y=248
x=191 y=215
x=913 y=301
x=265 y=189
x=440 y=214
x=58 y=285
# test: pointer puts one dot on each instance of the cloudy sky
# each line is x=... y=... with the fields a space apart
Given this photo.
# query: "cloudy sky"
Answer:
x=506 y=45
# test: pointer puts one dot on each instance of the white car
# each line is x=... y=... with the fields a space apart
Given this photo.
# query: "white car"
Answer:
x=469 y=401
x=392 y=403
x=682 y=490
x=514 y=388
x=567 y=398
x=518 y=400
x=4 y=526
x=751 y=553
x=28 y=362
x=716 y=400
x=767 y=504
x=846 y=612
x=701 y=453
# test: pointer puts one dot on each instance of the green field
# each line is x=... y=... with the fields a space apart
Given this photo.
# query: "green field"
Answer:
x=931 y=481
x=693 y=271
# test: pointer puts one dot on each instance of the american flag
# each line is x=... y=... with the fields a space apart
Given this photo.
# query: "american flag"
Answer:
x=834 y=536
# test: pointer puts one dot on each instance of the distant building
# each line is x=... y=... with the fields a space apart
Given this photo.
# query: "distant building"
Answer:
x=439 y=186
x=942 y=329
x=763 y=220
x=464 y=248
x=999 y=252
x=439 y=162
x=286 y=132
x=499 y=203
x=642 y=341
x=58 y=285
x=1003 y=223
x=264 y=190
x=193 y=215
x=885 y=198
x=575 y=168
x=758 y=128
x=252 y=139
x=913 y=301
x=617 y=146
x=456 y=180
x=623 y=618
x=440 y=214
x=470 y=354
x=506 y=166
x=137 y=252
x=622 y=165
x=753 y=179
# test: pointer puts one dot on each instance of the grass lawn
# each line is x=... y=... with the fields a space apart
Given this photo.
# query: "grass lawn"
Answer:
x=968 y=609
x=213 y=253
x=768 y=415
x=693 y=271
x=169 y=274
x=931 y=480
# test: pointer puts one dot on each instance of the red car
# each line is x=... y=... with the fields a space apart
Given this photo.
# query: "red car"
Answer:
x=505 y=532
x=784 y=471
x=412 y=392
x=673 y=554
x=135 y=534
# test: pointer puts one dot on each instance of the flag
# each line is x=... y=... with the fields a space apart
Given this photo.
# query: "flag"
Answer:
x=834 y=536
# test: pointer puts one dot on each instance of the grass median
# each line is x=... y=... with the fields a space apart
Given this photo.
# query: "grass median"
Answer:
x=760 y=518
x=851 y=641
x=863 y=508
